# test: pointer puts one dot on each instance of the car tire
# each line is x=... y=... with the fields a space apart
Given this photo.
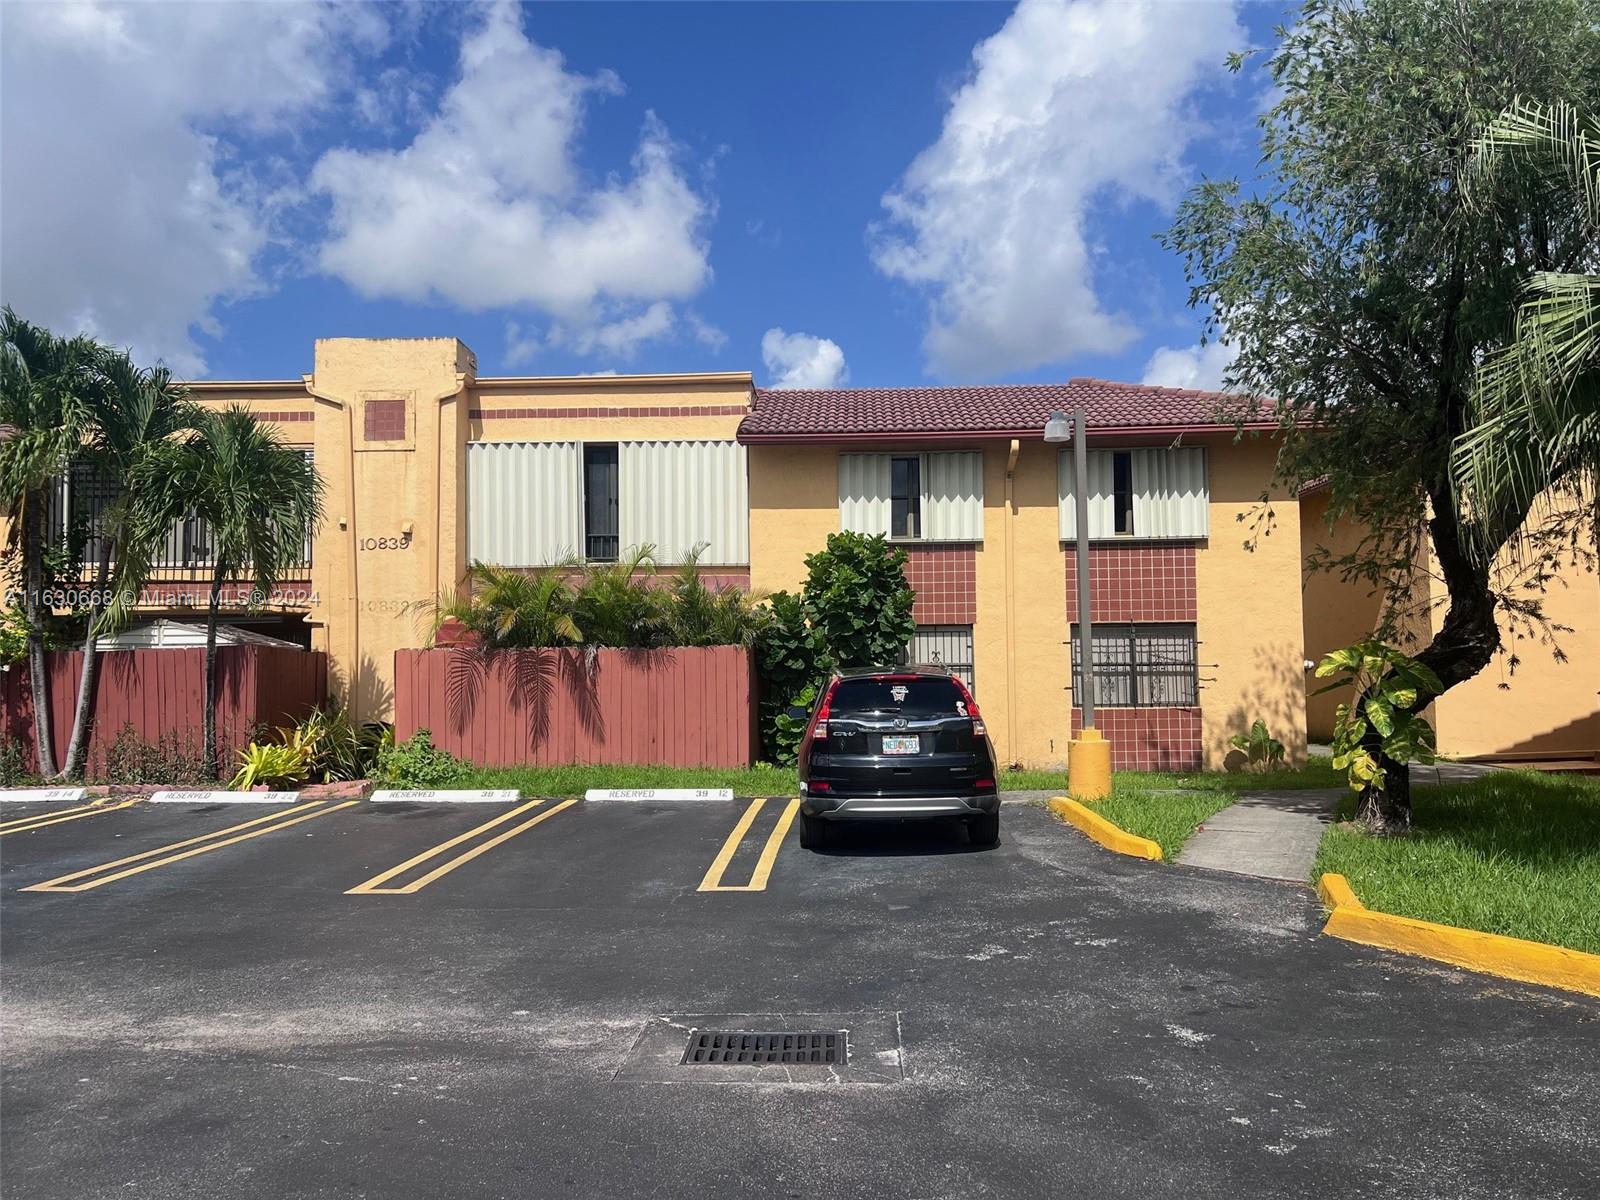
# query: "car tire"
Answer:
x=984 y=830
x=813 y=832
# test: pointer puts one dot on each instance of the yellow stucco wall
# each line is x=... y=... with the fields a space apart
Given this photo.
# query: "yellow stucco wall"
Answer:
x=1247 y=582
x=1545 y=707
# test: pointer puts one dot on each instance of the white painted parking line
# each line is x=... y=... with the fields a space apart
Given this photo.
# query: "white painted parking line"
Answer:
x=480 y=796
x=659 y=794
x=224 y=797
x=36 y=795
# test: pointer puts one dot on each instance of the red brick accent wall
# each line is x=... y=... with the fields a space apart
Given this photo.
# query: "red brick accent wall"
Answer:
x=385 y=420
x=1148 y=739
x=1136 y=583
x=945 y=579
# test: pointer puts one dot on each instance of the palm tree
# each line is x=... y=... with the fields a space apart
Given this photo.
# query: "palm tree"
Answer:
x=1536 y=436
x=261 y=499
x=136 y=416
x=44 y=382
x=510 y=609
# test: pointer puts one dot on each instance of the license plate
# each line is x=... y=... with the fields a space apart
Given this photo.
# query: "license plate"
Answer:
x=896 y=744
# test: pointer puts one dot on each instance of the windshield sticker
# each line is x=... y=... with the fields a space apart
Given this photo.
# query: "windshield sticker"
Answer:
x=899 y=691
x=961 y=708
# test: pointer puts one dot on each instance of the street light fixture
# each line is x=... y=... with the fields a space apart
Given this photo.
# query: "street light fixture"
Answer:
x=1089 y=759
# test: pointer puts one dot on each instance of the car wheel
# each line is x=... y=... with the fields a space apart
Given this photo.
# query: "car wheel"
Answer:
x=984 y=830
x=813 y=833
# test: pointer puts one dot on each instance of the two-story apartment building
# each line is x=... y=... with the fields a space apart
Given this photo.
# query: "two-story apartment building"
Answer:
x=429 y=467
x=1203 y=622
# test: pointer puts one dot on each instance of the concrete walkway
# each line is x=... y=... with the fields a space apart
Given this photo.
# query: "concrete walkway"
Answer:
x=1274 y=835
x=1271 y=835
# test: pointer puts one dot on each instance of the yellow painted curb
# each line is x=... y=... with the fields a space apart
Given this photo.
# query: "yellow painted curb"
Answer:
x=1099 y=829
x=1492 y=953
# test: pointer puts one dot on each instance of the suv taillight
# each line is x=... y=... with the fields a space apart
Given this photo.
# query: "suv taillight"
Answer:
x=819 y=731
x=979 y=729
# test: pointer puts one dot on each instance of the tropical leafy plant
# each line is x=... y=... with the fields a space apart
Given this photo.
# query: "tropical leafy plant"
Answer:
x=1378 y=734
x=1260 y=748
x=699 y=615
x=618 y=604
x=338 y=748
x=416 y=763
x=274 y=764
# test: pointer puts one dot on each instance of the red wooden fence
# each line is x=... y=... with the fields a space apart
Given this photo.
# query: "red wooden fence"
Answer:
x=160 y=691
x=682 y=707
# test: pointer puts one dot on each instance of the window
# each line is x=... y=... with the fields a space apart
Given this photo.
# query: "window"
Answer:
x=1121 y=493
x=601 y=541
x=905 y=497
x=1140 y=666
x=947 y=646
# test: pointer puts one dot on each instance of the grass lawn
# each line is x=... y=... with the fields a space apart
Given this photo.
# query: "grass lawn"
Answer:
x=574 y=781
x=1514 y=852
x=1315 y=774
x=1165 y=819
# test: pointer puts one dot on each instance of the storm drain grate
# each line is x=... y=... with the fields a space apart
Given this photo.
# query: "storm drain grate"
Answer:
x=817 y=1047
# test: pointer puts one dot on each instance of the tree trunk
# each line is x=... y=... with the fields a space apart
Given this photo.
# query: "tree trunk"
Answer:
x=1386 y=810
x=208 y=748
x=33 y=584
x=83 y=717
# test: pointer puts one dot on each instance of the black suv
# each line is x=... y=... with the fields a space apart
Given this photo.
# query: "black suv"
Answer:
x=896 y=744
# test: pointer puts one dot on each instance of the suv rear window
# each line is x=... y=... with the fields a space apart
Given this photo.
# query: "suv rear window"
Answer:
x=907 y=696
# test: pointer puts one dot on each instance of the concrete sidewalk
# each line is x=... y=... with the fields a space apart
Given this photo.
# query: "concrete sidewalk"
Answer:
x=1274 y=835
x=1271 y=835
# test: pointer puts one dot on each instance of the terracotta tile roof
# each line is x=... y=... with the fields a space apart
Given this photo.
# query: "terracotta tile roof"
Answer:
x=1016 y=410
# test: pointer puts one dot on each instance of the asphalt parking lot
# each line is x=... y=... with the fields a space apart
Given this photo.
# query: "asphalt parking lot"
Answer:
x=388 y=1000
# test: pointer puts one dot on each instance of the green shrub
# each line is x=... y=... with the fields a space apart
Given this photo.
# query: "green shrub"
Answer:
x=417 y=763
x=14 y=764
x=337 y=748
x=175 y=758
x=858 y=601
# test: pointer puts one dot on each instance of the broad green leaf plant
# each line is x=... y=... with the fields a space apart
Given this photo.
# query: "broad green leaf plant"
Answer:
x=1389 y=687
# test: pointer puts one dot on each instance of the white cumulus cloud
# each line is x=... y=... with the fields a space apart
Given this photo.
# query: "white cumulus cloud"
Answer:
x=127 y=212
x=1194 y=366
x=487 y=207
x=1069 y=105
x=800 y=360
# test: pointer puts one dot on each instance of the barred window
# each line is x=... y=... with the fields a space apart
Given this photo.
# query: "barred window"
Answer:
x=946 y=646
x=1140 y=666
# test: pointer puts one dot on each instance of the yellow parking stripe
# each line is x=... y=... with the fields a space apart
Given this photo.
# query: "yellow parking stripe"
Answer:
x=163 y=856
x=372 y=887
x=769 y=852
x=40 y=820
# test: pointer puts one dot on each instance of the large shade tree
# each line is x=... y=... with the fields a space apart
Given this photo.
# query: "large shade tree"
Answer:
x=1360 y=286
x=262 y=500
x=45 y=384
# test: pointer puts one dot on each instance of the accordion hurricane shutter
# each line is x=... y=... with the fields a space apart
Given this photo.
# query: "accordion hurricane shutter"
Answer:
x=679 y=496
x=864 y=493
x=953 y=504
x=522 y=502
x=1167 y=490
x=1170 y=496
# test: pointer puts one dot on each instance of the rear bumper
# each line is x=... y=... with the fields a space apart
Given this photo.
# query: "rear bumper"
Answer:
x=897 y=808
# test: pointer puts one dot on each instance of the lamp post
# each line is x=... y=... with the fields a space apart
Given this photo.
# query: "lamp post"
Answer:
x=1089 y=754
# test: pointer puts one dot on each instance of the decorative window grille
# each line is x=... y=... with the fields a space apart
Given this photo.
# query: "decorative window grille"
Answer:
x=947 y=646
x=1140 y=666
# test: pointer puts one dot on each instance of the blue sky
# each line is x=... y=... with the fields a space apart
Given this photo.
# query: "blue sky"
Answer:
x=877 y=194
